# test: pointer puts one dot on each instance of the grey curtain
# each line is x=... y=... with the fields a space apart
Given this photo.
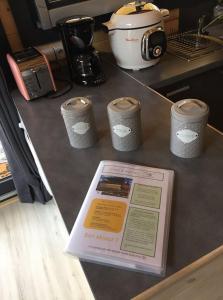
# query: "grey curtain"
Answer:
x=25 y=174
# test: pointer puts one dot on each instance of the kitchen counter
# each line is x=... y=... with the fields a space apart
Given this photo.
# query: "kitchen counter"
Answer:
x=196 y=219
x=172 y=69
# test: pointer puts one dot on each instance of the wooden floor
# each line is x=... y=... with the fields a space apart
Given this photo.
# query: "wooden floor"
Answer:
x=32 y=263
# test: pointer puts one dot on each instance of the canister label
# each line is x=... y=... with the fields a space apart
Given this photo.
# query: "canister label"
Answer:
x=121 y=130
x=81 y=127
x=186 y=135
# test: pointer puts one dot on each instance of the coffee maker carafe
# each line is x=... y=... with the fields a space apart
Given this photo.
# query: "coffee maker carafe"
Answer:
x=83 y=60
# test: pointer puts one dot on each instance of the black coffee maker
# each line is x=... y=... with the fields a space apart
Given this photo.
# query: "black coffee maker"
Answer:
x=83 y=60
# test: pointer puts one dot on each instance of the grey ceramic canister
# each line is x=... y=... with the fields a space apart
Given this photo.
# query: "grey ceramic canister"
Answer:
x=79 y=121
x=125 y=123
x=188 y=121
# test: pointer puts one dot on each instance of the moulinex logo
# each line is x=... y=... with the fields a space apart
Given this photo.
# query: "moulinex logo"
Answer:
x=131 y=40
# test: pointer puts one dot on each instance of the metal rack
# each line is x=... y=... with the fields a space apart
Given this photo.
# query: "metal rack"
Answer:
x=190 y=46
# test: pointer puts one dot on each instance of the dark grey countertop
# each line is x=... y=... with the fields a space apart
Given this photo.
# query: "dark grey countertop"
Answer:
x=172 y=69
x=196 y=219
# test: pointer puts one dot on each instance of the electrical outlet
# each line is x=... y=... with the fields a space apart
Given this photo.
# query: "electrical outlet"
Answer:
x=53 y=51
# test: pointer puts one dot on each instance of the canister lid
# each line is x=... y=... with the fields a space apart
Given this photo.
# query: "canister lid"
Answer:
x=189 y=109
x=76 y=106
x=125 y=106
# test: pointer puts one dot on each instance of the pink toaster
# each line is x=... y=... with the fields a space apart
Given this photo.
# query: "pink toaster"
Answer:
x=32 y=73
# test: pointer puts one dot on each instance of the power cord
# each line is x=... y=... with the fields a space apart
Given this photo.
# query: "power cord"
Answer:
x=64 y=91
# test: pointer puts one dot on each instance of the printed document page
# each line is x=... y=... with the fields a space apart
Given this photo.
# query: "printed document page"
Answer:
x=124 y=219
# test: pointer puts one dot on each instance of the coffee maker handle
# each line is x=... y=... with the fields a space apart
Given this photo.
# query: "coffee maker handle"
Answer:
x=77 y=42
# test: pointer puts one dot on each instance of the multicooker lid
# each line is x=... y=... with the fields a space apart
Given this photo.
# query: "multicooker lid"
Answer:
x=137 y=7
x=136 y=15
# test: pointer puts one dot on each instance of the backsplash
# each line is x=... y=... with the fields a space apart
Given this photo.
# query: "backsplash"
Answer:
x=190 y=15
x=190 y=10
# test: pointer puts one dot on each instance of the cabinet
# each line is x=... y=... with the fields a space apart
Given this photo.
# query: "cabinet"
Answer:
x=207 y=87
x=201 y=280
